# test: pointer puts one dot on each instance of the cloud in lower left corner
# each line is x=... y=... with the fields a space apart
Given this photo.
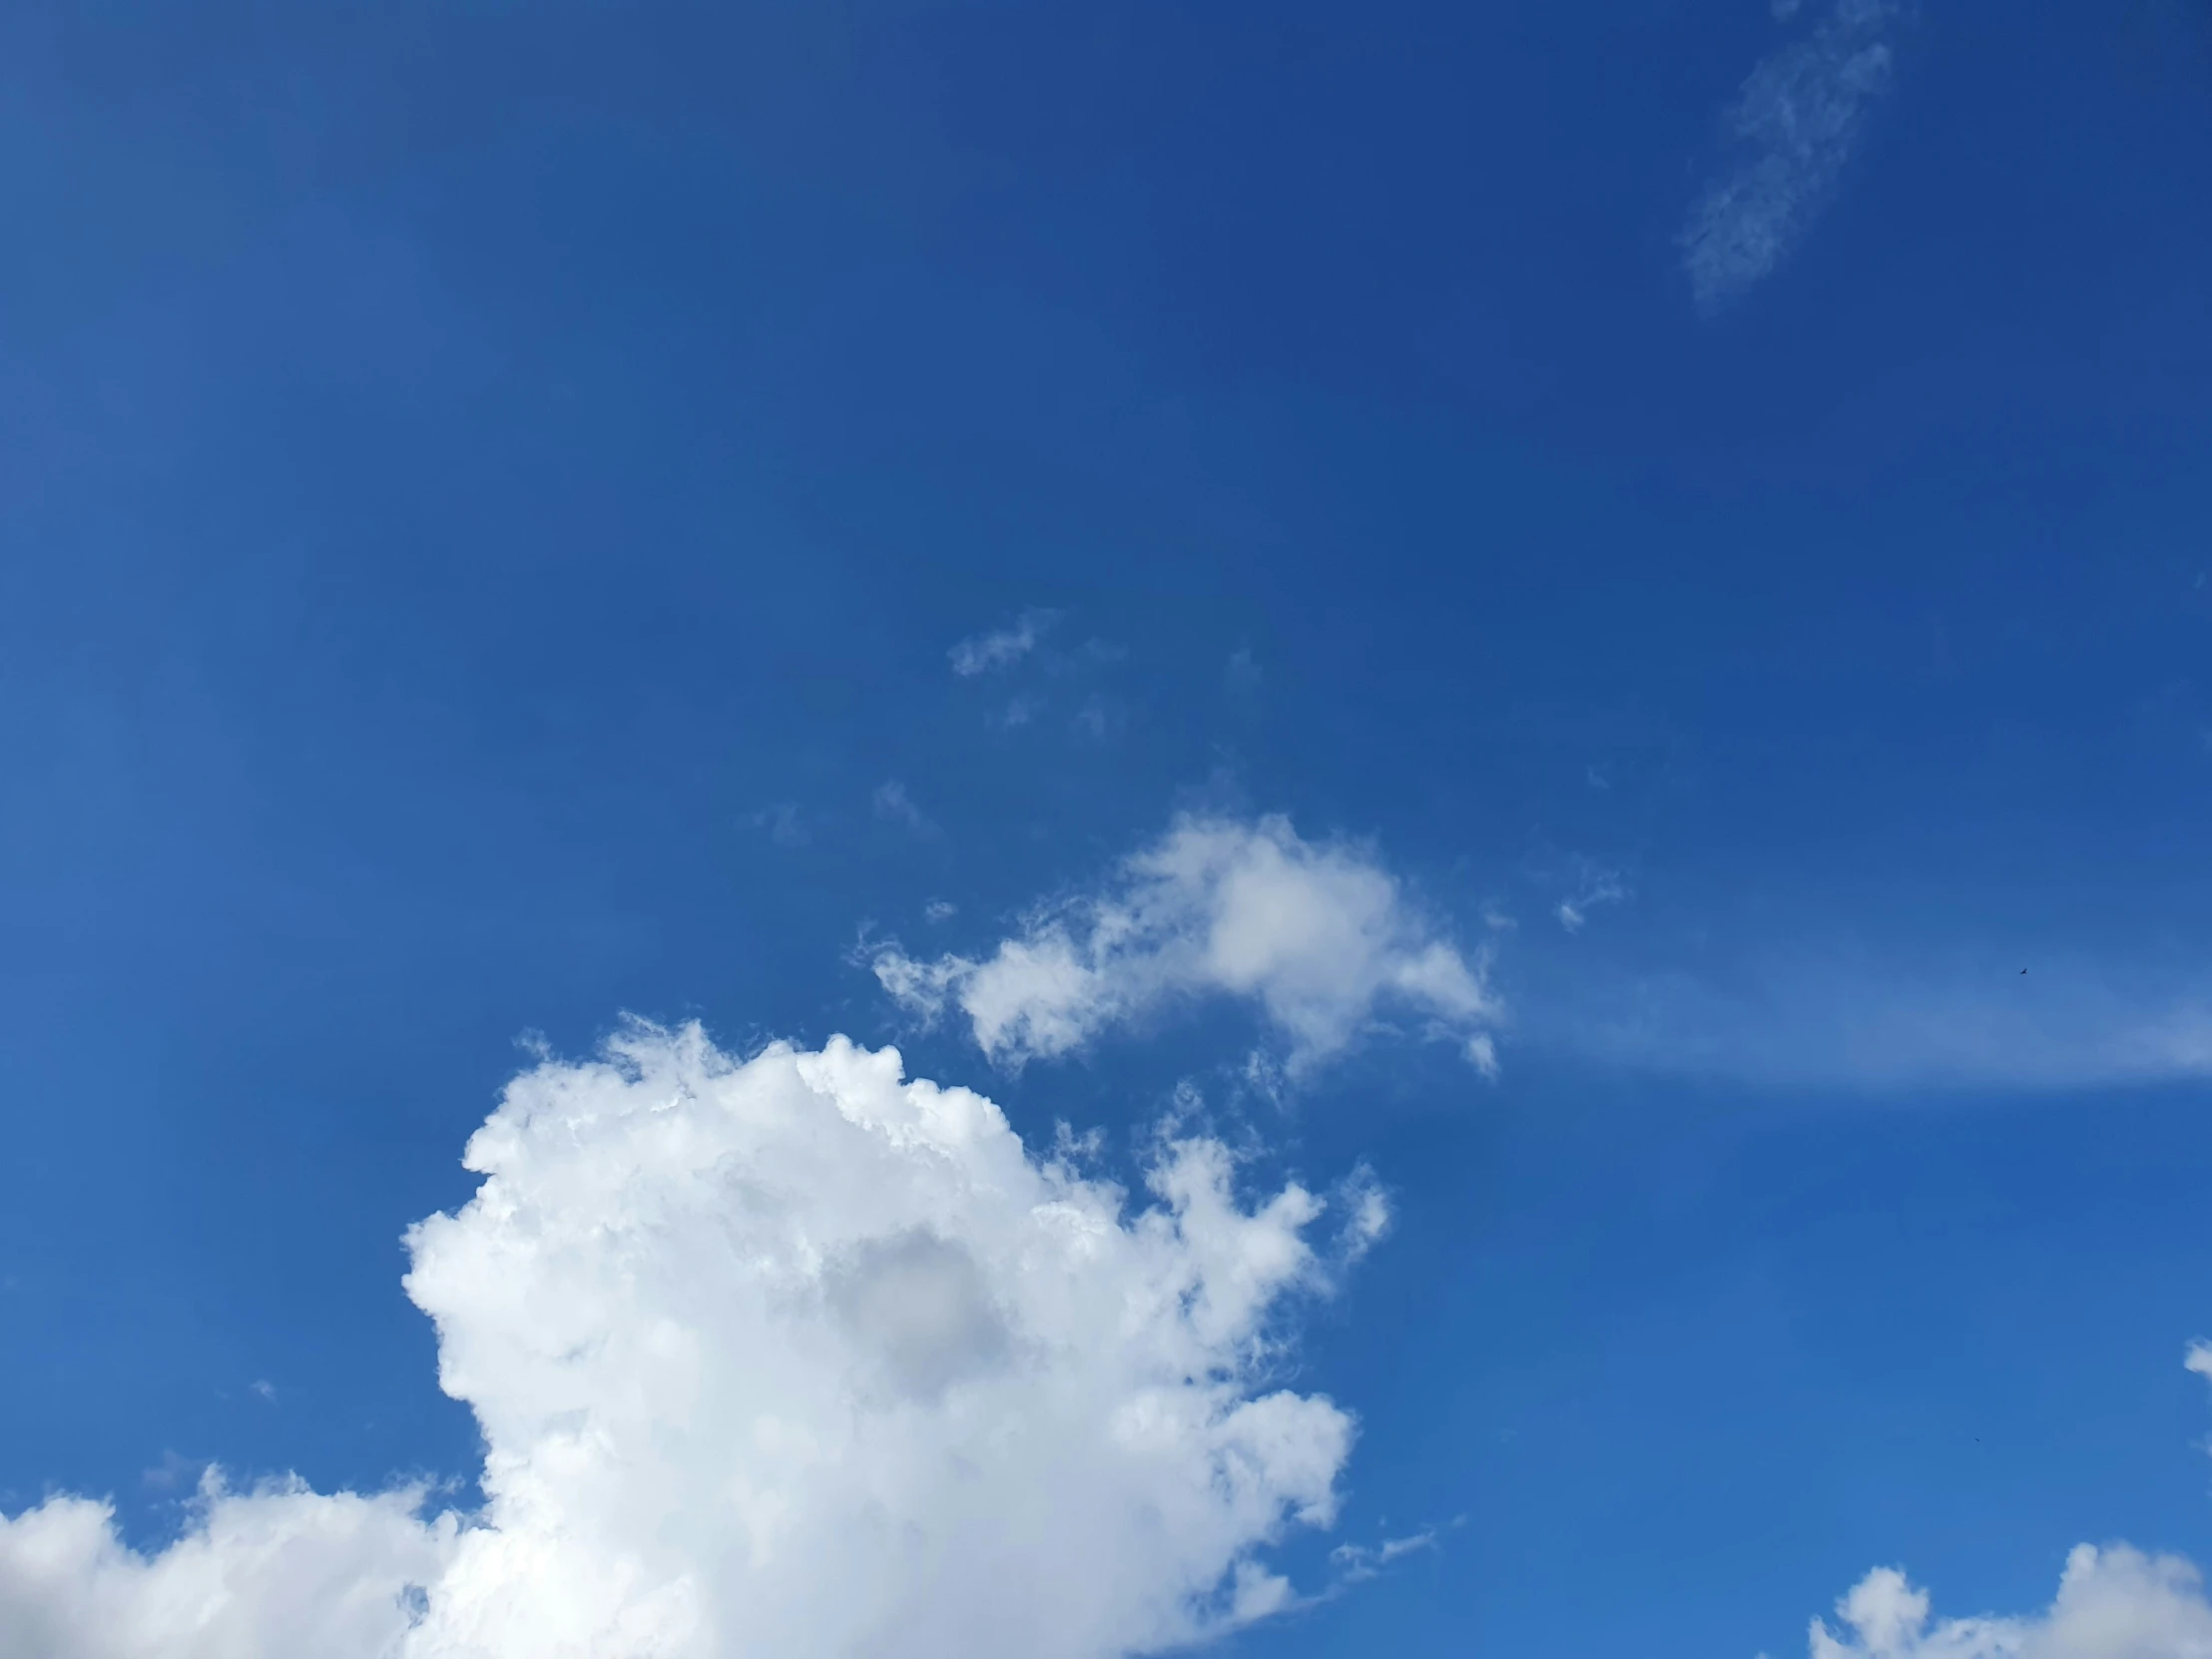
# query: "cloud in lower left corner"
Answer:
x=788 y=1356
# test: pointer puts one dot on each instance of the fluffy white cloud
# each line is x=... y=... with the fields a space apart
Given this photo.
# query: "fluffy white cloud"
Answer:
x=1799 y=114
x=277 y=1573
x=782 y=1358
x=1320 y=936
x=2113 y=1603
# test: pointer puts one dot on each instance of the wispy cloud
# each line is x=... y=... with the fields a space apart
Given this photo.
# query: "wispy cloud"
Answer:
x=1597 y=886
x=894 y=805
x=1322 y=938
x=1797 y=119
x=1002 y=647
x=1853 y=1020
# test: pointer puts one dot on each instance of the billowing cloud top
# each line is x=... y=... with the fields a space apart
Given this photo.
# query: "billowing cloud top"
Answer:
x=782 y=1358
x=1322 y=938
x=2115 y=1603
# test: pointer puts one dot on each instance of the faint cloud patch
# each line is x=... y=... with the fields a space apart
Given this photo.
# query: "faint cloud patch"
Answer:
x=1879 y=1023
x=940 y=909
x=1001 y=647
x=894 y=805
x=174 y=1474
x=781 y=822
x=263 y=1389
x=1799 y=117
x=1101 y=718
x=1356 y=1564
x=1597 y=886
x=1020 y=711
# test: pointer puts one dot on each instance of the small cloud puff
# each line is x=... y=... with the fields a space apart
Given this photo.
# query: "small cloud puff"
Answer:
x=1322 y=938
x=784 y=1357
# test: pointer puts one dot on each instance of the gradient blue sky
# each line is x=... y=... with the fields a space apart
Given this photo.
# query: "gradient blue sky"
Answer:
x=488 y=493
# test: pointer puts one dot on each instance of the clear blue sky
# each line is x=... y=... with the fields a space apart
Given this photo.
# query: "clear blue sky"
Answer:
x=489 y=497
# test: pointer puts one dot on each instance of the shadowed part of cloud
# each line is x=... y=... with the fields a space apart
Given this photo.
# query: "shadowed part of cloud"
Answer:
x=1320 y=936
x=1797 y=121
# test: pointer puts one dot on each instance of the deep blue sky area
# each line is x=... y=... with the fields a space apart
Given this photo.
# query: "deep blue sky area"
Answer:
x=487 y=493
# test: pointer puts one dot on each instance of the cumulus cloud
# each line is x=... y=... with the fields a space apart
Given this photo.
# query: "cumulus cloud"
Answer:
x=782 y=1356
x=2112 y=1603
x=1322 y=938
x=267 y=1574
x=1002 y=647
x=1797 y=119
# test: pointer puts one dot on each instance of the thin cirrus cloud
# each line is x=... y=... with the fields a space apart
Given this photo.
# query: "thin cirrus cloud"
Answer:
x=783 y=1357
x=1320 y=936
x=1797 y=118
x=1882 y=1022
x=1002 y=647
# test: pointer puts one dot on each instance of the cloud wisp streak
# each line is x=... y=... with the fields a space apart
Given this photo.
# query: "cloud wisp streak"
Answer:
x=1321 y=937
x=1879 y=1023
x=1797 y=118
x=788 y=1358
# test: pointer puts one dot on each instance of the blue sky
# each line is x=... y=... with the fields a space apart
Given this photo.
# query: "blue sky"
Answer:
x=518 y=517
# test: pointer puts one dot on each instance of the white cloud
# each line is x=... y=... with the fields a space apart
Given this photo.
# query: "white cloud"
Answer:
x=780 y=1357
x=1799 y=113
x=267 y=1574
x=1322 y=938
x=2112 y=1603
x=1003 y=647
